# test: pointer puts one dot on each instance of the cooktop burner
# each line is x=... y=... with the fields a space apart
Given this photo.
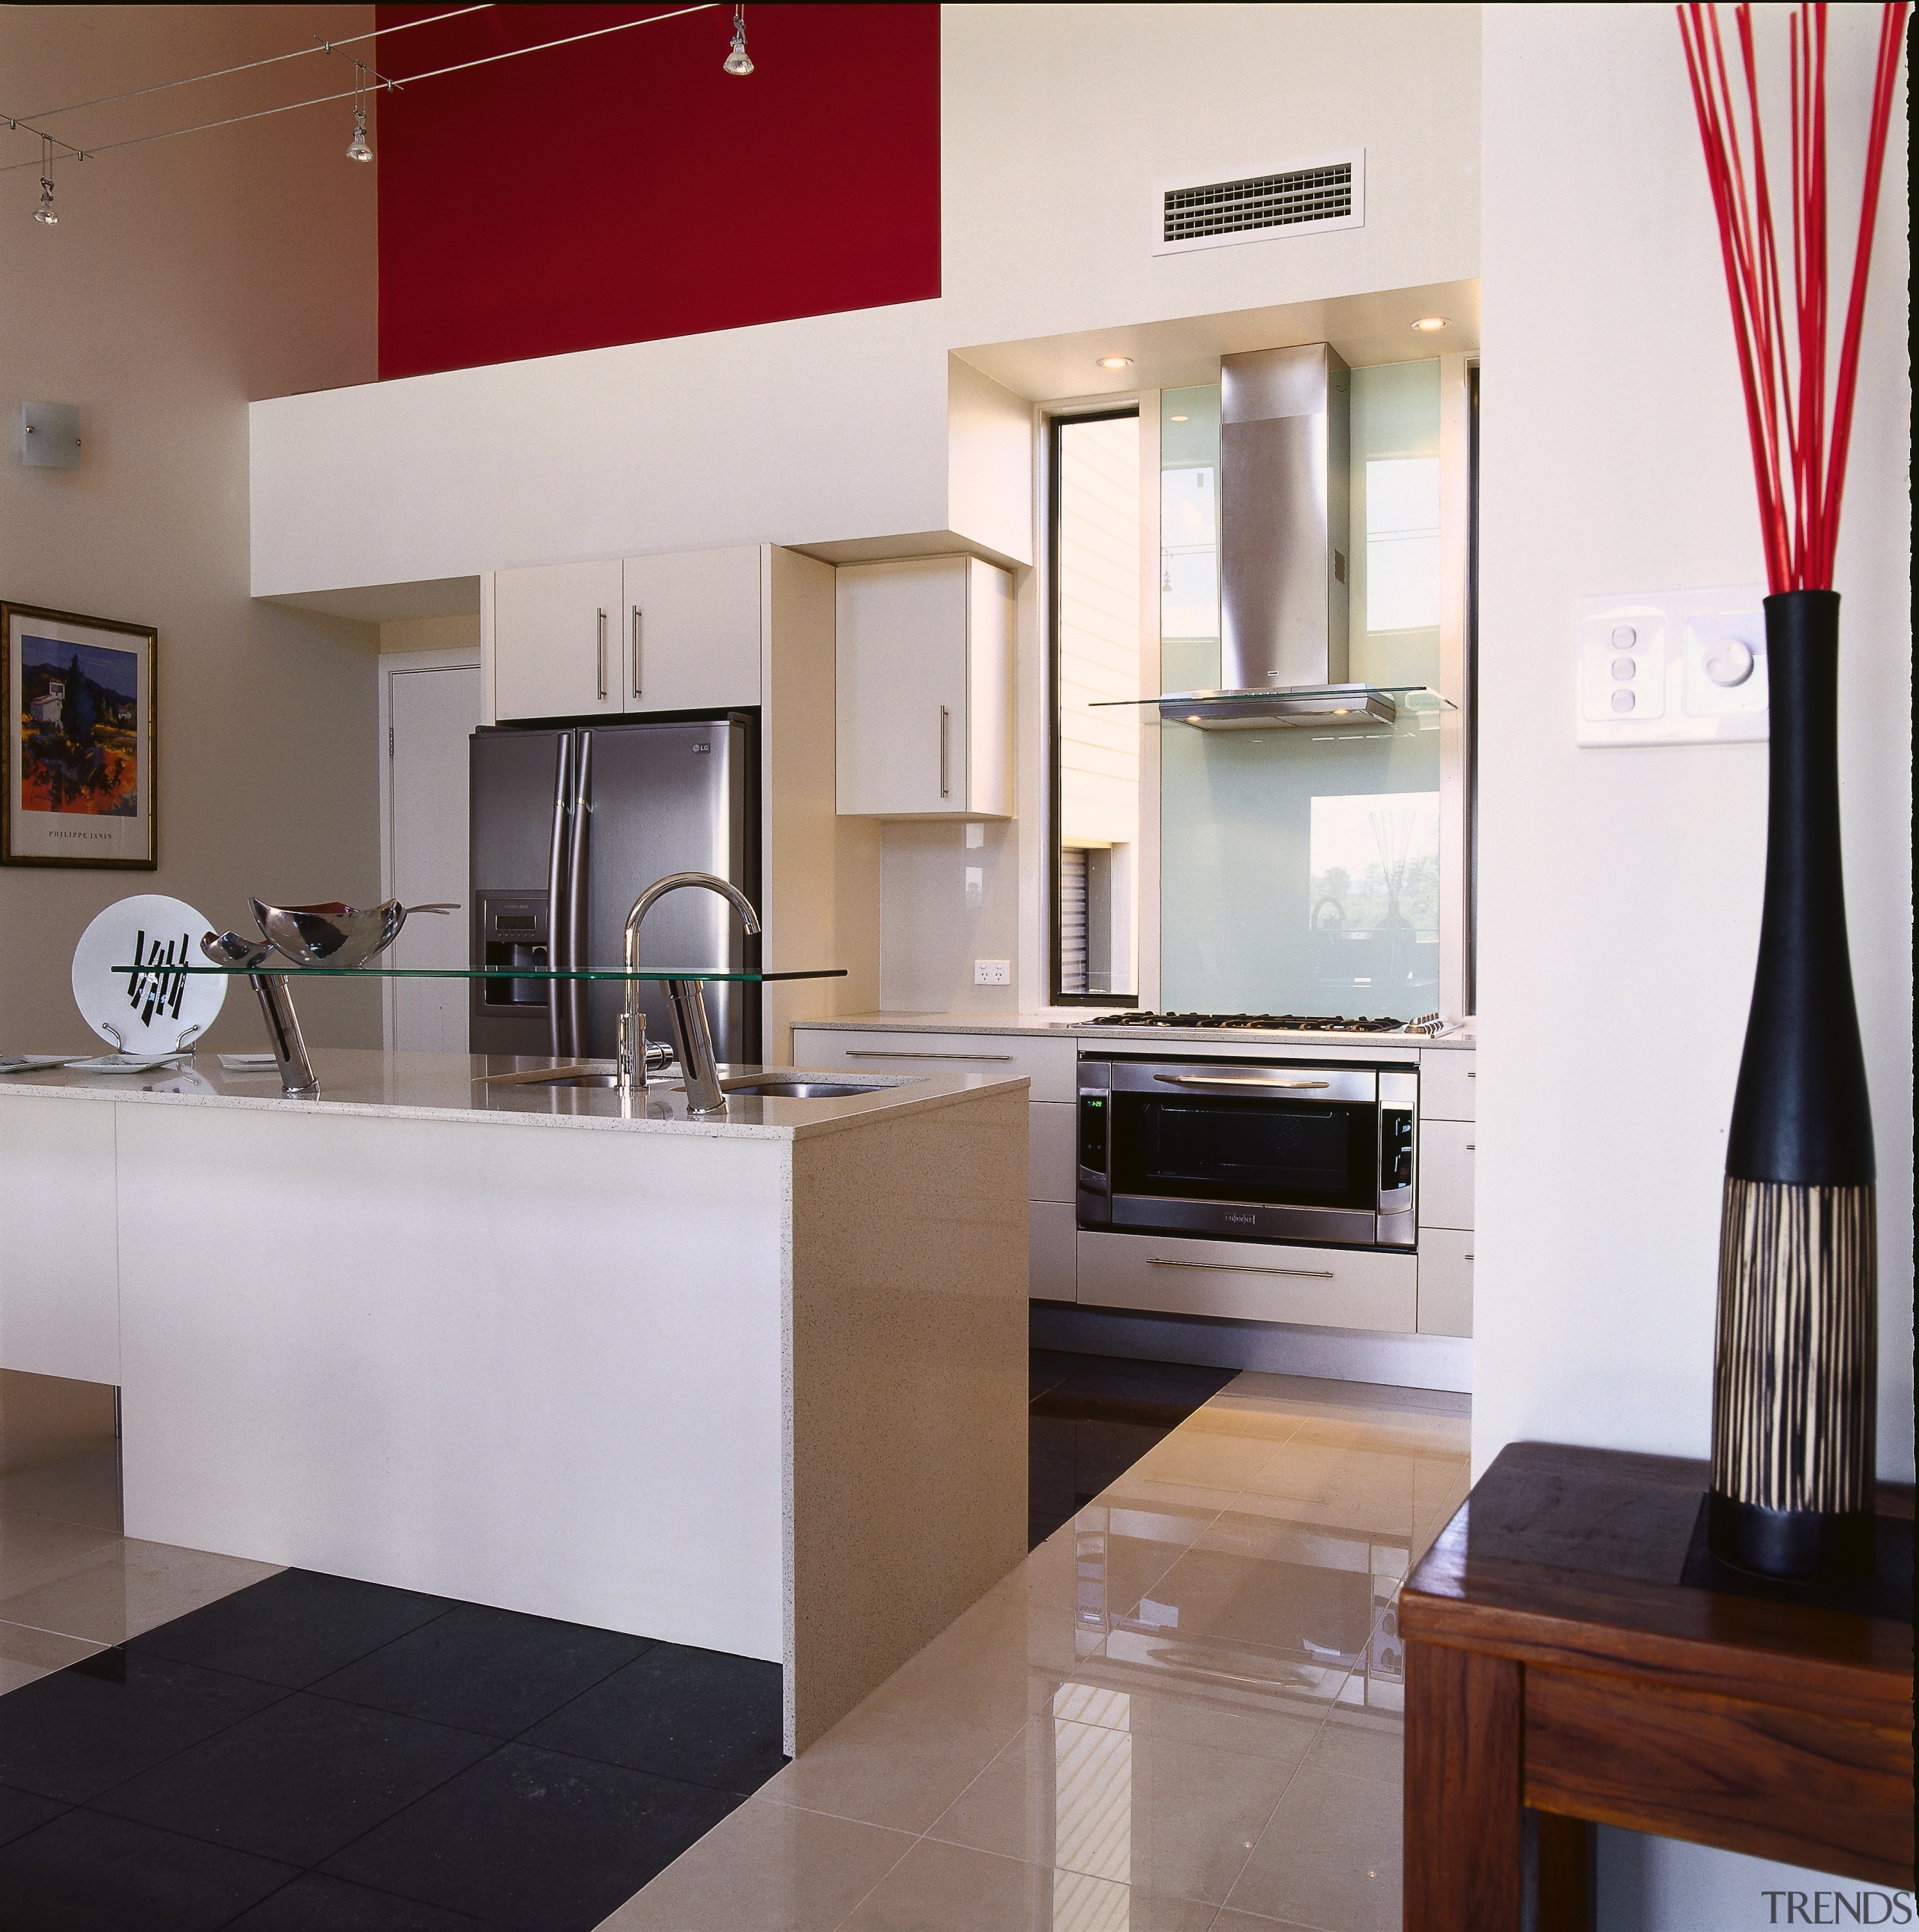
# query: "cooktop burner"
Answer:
x=1255 y=1022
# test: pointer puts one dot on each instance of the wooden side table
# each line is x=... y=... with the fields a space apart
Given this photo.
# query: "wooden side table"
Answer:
x=1573 y=1656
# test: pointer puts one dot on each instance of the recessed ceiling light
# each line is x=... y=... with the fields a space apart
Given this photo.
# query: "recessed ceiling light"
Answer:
x=1115 y=361
x=1182 y=418
x=1430 y=322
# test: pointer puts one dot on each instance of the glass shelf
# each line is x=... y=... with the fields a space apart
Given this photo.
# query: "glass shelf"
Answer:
x=160 y=970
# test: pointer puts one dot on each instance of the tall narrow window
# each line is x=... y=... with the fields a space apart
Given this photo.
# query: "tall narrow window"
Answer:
x=1096 y=745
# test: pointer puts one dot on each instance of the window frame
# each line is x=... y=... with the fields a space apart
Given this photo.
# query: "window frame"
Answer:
x=1056 y=422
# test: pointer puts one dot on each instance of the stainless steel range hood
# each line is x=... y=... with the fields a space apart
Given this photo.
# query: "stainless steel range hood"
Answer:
x=1284 y=508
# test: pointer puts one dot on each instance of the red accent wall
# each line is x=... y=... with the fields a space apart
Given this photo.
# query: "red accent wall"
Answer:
x=625 y=189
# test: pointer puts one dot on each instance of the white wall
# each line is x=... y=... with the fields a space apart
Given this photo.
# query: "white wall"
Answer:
x=1058 y=122
x=1619 y=890
x=183 y=279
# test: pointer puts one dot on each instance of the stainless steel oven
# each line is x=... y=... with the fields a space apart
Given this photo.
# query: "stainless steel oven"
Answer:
x=1243 y=1150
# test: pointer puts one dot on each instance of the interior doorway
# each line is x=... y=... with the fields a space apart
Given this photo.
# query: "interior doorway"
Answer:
x=430 y=708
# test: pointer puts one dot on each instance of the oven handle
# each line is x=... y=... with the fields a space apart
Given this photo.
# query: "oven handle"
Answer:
x=1240 y=1268
x=1233 y=1080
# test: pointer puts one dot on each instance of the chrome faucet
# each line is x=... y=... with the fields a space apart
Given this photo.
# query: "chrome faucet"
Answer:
x=692 y=1036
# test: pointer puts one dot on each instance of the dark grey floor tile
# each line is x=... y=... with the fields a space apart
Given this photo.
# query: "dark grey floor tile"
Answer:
x=291 y=1628
x=83 y=1730
x=23 y=1811
x=314 y=1902
x=86 y=1872
x=697 y=1714
x=528 y=1838
x=298 y=1781
x=494 y=1671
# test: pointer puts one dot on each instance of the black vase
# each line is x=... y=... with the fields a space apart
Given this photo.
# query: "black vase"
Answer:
x=1795 y=1368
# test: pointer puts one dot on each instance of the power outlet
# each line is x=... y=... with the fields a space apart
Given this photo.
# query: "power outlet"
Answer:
x=992 y=972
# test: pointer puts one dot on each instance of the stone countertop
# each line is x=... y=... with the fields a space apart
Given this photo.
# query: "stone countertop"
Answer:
x=446 y=1087
x=1459 y=1033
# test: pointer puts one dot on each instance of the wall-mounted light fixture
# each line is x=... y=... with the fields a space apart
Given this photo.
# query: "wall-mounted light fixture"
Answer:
x=50 y=436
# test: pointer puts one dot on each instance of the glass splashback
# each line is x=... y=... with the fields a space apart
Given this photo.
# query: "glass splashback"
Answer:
x=1299 y=869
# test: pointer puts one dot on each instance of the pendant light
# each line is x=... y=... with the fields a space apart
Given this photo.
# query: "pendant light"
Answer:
x=44 y=212
x=358 y=148
x=739 y=60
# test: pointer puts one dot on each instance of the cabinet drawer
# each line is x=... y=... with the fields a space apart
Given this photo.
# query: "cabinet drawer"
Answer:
x=1051 y=1065
x=1446 y=1173
x=1446 y=1281
x=1049 y=1233
x=1052 y=1151
x=1446 y=1085
x=1333 y=1288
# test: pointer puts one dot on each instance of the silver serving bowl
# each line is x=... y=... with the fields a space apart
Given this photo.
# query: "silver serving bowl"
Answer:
x=334 y=934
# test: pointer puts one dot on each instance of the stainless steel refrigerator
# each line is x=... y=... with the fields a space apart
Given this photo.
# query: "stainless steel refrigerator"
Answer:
x=569 y=825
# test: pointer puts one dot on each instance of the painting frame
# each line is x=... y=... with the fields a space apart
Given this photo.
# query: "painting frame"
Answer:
x=85 y=799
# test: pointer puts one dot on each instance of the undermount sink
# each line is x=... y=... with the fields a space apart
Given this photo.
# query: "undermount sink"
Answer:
x=797 y=1090
x=774 y=1087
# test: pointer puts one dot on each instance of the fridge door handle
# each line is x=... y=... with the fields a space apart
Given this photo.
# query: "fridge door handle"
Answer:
x=575 y=991
x=557 y=954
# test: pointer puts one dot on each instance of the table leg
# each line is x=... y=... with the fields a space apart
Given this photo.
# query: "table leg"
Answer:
x=1464 y=1844
x=1564 y=1853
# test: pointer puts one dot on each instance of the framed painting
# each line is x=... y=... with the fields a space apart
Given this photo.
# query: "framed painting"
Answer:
x=76 y=762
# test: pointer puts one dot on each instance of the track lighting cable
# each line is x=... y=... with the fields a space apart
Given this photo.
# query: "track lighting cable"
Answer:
x=321 y=100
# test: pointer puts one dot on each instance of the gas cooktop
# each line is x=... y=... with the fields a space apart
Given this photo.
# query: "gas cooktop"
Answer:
x=1427 y=1023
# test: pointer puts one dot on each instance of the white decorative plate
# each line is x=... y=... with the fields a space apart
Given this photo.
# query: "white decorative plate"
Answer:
x=155 y=1010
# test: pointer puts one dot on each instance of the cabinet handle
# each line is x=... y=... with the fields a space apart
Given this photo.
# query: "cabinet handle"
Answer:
x=1471 y=1147
x=636 y=651
x=944 y=717
x=1467 y=1257
x=1471 y=1074
x=864 y=1053
x=1240 y=1268
x=602 y=654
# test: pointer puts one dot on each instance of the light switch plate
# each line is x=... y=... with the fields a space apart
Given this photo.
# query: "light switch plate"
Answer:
x=1672 y=667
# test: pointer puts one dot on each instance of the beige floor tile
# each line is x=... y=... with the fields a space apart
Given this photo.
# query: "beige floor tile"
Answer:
x=1229 y=1921
x=897 y=1765
x=1330 y=1857
x=765 y=1868
x=945 y=1888
x=83 y=1489
x=25 y=1654
x=130 y=1588
x=1369 y=1744
x=1176 y=1819
x=35 y=1549
x=1347 y=1486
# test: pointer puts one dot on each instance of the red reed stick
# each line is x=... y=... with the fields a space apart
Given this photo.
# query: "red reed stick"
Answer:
x=1799 y=452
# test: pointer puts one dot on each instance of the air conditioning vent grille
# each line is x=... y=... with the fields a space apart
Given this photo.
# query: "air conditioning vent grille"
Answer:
x=1264 y=201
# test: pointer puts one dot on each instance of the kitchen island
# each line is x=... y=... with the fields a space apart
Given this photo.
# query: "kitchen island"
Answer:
x=755 y=1383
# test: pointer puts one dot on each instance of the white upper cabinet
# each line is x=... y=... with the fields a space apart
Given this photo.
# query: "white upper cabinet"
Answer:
x=680 y=632
x=924 y=684
x=557 y=640
x=691 y=623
